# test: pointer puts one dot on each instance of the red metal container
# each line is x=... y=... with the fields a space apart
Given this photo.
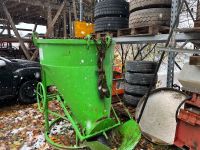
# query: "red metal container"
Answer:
x=188 y=130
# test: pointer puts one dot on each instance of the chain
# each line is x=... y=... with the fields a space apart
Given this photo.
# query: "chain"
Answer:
x=103 y=89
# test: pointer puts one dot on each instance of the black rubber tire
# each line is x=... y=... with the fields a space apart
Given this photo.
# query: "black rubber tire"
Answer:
x=140 y=66
x=131 y=100
x=115 y=8
x=148 y=17
x=139 y=78
x=110 y=23
x=30 y=97
x=136 y=90
x=143 y=4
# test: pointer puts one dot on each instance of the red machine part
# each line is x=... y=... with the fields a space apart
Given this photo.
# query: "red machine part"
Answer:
x=195 y=101
x=117 y=88
x=188 y=126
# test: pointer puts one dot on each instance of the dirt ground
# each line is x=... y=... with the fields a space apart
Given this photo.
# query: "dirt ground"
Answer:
x=22 y=128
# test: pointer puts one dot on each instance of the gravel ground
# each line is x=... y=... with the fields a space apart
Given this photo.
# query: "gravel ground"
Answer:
x=22 y=128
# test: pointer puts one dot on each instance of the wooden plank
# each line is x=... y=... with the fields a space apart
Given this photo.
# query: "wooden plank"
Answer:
x=195 y=60
x=40 y=3
x=14 y=40
x=123 y=32
x=65 y=21
x=50 y=29
x=74 y=9
x=197 y=23
x=49 y=18
x=35 y=55
x=9 y=34
x=149 y=30
x=26 y=53
x=70 y=21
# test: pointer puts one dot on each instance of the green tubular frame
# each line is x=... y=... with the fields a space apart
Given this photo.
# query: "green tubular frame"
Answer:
x=71 y=65
x=45 y=99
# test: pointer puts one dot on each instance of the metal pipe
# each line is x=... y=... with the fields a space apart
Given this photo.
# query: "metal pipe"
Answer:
x=188 y=8
x=81 y=9
x=70 y=21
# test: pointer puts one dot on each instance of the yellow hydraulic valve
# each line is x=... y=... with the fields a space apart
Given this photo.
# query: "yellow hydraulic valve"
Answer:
x=82 y=28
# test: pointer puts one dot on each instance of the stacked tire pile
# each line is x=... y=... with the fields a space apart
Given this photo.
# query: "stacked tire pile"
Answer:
x=111 y=15
x=149 y=12
x=138 y=77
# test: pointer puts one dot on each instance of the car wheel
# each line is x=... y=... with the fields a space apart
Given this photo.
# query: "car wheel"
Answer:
x=148 y=17
x=131 y=100
x=143 y=4
x=141 y=66
x=139 y=78
x=111 y=8
x=27 y=92
x=110 y=23
x=138 y=90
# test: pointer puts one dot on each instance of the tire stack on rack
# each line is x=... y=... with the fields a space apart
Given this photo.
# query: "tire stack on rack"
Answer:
x=111 y=15
x=138 y=77
x=149 y=12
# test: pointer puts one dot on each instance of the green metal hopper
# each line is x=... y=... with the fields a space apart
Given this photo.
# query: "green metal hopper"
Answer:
x=71 y=65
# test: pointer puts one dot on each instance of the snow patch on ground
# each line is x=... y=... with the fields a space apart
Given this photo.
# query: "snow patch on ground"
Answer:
x=15 y=131
x=61 y=128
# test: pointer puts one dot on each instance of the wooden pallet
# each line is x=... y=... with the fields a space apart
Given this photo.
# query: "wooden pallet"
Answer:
x=103 y=34
x=123 y=32
x=195 y=60
x=146 y=30
x=197 y=23
x=150 y=30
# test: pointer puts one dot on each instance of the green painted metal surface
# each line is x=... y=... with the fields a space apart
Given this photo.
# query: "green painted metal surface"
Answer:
x=71 y=65
x=130 y=133
x=127 y=136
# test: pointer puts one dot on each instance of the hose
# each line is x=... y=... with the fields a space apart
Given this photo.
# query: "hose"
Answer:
x=151 y=86
x=180 y=105
x=160 y=61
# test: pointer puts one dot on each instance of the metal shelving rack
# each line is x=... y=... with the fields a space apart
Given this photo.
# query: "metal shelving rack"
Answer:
x=175 y=35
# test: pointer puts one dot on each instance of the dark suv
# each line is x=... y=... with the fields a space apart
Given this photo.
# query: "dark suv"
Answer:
x=18 y=78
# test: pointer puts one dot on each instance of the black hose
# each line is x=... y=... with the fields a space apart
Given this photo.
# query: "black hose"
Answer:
x=151 y=86
x=187 y=99
x=177 y=86
x=160 y=61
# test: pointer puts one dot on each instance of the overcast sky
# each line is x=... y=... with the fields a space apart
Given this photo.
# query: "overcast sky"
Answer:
x=40 y=29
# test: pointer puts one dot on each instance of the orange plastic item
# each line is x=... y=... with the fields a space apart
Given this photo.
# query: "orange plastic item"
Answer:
x=117 y=77
x=82 y=29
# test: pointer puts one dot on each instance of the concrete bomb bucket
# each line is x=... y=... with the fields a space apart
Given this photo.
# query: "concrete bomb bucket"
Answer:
x=81 y=70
